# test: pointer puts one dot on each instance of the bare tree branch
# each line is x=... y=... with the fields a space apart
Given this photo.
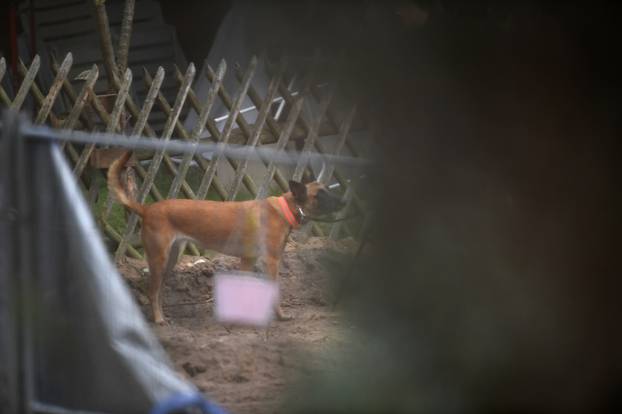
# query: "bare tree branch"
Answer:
x=126 y=33
x=103 y=28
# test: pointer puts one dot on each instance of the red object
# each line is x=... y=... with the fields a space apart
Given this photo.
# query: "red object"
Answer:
x=287 y=212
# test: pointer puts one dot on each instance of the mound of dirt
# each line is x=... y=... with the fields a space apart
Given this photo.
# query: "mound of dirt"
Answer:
x=247 y=370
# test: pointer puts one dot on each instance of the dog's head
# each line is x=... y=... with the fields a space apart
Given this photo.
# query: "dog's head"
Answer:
x=314 y=199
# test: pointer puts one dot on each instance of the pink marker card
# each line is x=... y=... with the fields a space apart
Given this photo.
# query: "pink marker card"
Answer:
x=244 y=298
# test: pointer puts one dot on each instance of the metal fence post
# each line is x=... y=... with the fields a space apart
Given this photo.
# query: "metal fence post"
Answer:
x=21 y=269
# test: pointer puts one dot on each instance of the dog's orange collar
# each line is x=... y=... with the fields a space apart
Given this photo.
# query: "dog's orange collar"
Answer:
x=287 y=212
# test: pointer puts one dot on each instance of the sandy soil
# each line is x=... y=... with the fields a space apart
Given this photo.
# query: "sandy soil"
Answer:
x=247 y=370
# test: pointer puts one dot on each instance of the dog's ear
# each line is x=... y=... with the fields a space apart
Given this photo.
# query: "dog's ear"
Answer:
x=299 y=190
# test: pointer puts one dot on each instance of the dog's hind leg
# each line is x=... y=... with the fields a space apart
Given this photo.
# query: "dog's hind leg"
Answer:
x=173 y=257
x=158 y=248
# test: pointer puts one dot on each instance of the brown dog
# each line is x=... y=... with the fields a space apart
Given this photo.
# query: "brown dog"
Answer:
x=246 y=229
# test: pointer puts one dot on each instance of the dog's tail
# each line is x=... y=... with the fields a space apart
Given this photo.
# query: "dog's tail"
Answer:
x=115 y=185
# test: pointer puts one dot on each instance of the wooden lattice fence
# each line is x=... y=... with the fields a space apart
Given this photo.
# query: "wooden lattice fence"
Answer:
x=70 y=104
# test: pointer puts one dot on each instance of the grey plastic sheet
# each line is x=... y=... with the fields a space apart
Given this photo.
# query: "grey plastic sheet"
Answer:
x=87 y=345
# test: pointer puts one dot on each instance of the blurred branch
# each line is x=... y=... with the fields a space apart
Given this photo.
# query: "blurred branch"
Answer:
x=103 y=28
x=126 y=33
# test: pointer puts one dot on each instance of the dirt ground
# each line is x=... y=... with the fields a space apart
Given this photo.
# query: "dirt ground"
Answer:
x=247 y=370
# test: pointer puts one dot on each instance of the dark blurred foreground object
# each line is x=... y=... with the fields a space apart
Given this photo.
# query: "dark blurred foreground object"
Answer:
x=495 y=281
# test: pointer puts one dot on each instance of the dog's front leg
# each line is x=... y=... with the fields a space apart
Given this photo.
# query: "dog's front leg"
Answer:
x=272 y=268
x=247 y=264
